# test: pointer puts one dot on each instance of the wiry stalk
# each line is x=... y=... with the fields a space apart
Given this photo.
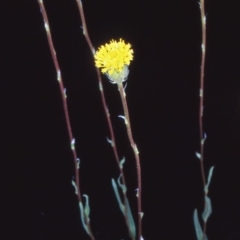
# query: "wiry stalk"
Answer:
x=136 y=154
x=63 y=94
x=112 y=141
x=201 y=94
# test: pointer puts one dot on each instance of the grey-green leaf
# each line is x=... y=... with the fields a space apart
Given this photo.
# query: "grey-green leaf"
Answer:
x=209 y=179
x=122 y=186
x=83 y=218
x=73 y=144
x=208 y=209
x=110 y=141
x=86 y=208
x=198 y=155
x=197 y=226
x=198 y=229
x=131 y=224
x=115 y=188
x=122 y=162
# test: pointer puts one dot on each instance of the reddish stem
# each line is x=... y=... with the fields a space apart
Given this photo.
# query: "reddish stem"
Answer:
x=203 y=21
x=62 y=90
x=136 y=155
x=113 y=142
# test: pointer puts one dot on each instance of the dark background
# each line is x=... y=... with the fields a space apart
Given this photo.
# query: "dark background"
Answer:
x=37 y=200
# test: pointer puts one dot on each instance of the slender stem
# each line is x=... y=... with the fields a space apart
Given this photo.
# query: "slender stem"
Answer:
x=201 y=94
x=63 y=95
x=107 y=114
x=136 y=154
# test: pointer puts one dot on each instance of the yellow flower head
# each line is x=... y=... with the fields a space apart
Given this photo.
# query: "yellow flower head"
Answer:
x=114 y=58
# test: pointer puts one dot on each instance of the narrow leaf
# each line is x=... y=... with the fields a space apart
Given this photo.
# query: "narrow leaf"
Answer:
x=204 y=138
x=131 y=224
x=122 y=186
x=115 y=188
x=86 y=208
x=110 y=141
x=123 y=117
x=198 y=155
x=75 y=186
x=208 y=209
x=209 y=179
x=73 y=144
x=122 y=162
x=197 y=226
x=82 y=218
x=78 y=163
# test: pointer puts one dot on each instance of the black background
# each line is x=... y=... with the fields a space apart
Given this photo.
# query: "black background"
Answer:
x=37 y=200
